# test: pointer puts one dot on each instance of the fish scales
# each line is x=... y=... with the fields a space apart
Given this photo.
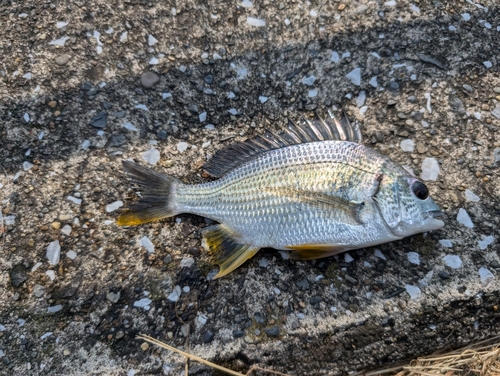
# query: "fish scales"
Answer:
x=295 y=191
x=250 y=198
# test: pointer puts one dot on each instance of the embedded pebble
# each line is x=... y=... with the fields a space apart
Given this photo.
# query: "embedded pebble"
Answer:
x=463 y=218
x=85 y=145
x=361 y=99
x=27 y=166
x=66 y=230
x=143 y=303
x=233 y=111
x=252 y=21
x=26 y=117
x=62 y=60
x=486 y=276
x=154 y=61
x=113 y=206
x=54 y=252
x=471 y=196
x=54 y=309
x=453 y=261
x=38 y=291
x=58 y=42
x=130 y=127
x=61 y=24
x=166 y=95
x=175 y=295
x=100 y=120
x=413 y=291
x=182 y=146
x=152 y=156
x=263 y=263
x=146 y=243
x=485 y=241
x=152 y=40
x=263 y=99
x=335 y=57
x=51 y=274
x=496 y=111
x=71 y=255
x=187 y=262
x=379 y=254
x=373 y=81
x=312 y=93
x=446 y=243
x=414 y=258
x=428 y=97
x=149 y=79
x=407 y=145
x=75 y=200
x=354 y=76
x=466 y=16
x=487 y=64
x=348 y=258
x=309 y=80
x=203 y=116
x=430 y=169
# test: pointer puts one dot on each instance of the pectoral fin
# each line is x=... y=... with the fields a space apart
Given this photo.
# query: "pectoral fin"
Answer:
x=315 y=251
x=225 y=250
x=323 y=201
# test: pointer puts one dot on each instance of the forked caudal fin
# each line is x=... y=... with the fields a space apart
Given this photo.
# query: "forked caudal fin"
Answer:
x=157 y=192
x=224 y=249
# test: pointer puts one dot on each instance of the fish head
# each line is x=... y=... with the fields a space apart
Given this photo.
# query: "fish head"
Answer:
x=406 y=206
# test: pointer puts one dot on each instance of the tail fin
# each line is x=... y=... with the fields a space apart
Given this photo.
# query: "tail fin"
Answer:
x=157 y=191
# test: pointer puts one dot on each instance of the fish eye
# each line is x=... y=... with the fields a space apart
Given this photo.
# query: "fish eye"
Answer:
x=420 y=190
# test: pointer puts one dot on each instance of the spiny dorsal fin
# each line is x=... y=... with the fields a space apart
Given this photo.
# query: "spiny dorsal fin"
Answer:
x=225 y=250
x=319 y=129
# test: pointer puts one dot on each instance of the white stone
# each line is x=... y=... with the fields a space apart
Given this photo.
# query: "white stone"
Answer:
x=59 y=42
x=373 y=81
x=75 y=200
x=54 y=252
x=246 y=4
x=263 y=99
x=471 y=196
x=379 y=254
x=175 y=295
x=252 y=21
x=414 y=8
x=113 y=206
x=231 y=95
x=152 y=40
x=363 y=110
x=446 y=243
x=71 y=255
x=26 y=117
x=428 y=97
x=201 y=320
x=186 y=262
x=148 y=244
x=263 y=263
x=407 y=145
x=66 y=230
x=54 y=309
x=487 y=64
x=391 y=3
x=354 y=76
x=154 y=61
x=361 y=99
x=430 y=169
x=453 y=261
x=45 y=335
x=143 y=303
x=130 y=127
x=141 y=107
x=210 y=127
x=309 y=80
x=182 y=147
x=166 y=95
x=414 y=258
x=27 y=166
x=124 y=36
x=51 y=274
x=152 y=156
x=463 y=218
x=496 y=111
x=27 y=75
x=466 y=16
x=287 y=21
x=485 y=241
x=36 y=266
x=335 y=57
x=186 y=289
x=85 y=145
x=477 y=115
x=486 y=276
x=413 y=291
x=312 y=93
x=203 y=116
x=233 y=111
x=348 y=258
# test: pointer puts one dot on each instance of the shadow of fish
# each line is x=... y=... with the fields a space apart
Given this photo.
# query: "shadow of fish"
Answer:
x=314 y=190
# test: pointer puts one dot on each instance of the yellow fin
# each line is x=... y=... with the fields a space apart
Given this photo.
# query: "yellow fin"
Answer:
x=224 y=250
x=314 y=251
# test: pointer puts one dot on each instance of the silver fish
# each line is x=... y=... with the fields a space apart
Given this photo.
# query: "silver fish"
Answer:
x=314 y=190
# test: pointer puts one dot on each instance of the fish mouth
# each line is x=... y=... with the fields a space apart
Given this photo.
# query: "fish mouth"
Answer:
x=437 y=214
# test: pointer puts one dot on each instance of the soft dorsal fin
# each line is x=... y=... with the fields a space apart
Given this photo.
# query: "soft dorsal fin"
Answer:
x=319 y=129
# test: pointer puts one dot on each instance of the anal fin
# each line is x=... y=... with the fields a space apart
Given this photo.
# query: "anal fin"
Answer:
x=224 y=249
x=314 y=251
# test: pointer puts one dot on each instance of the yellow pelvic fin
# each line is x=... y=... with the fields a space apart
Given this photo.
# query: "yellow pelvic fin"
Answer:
x=225 y=250
x=314 y=251
x=137 y=215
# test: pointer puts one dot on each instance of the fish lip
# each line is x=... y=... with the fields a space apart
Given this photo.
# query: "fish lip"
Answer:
x=437 y=214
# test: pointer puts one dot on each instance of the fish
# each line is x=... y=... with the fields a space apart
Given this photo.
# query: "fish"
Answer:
x=313 y=189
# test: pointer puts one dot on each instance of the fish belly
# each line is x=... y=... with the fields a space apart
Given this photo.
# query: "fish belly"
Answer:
x=309 y=194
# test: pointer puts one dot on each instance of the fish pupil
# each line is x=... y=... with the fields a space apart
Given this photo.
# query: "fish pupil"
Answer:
x=420 y=190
